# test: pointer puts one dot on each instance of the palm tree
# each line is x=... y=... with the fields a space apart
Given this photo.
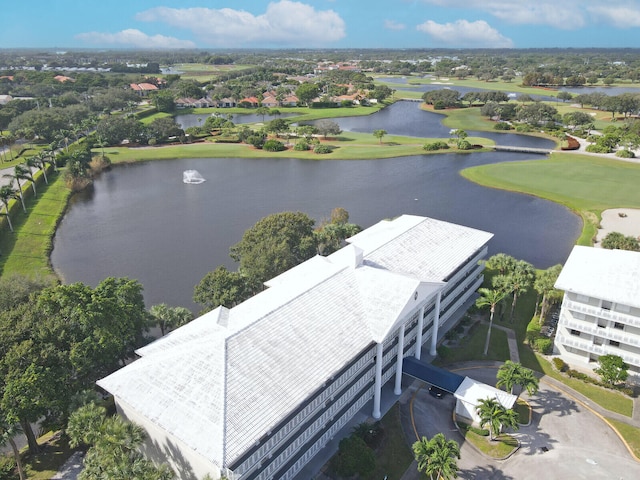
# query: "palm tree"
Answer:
x=544 y=285
x=19 y=173
x=7 y=193
x=30 y=163
x=516 y=282
x=489 y=298
x=501 y=262
x=7 y=433
x=168 y=318
x=437 y=457
x=528 y=381
x=40 y=162
x=508 y=375
x=494 y=415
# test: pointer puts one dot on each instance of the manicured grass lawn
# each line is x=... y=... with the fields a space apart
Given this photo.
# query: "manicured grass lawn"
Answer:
x=471 y=347
x=500 y=447
x=26 y=251
x=524 y=412
x=630 y=434
x=55 y=451
x=586 y=184
x=394 y=456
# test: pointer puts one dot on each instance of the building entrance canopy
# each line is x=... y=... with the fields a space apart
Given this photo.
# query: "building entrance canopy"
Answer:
x=435 y=376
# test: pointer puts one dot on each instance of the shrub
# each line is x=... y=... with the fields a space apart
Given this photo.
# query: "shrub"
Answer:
x=301 y=146
x=322 y=149
x=354 y=457
x=273 y=146
x=524 y=128
x=434 y=146
x=256 y=140
x=444 y=352
x=625 y=154
x=464 y=145
x=7 y=468
x=543 y=345
x=502 y=126
x=595 y=148
x=560 y=364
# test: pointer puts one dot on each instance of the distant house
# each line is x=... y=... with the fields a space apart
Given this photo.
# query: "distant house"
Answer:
x=270 y=102
x=4 y=99
x=249 y=102
x=143 y=88
x=63 y=78
x=290 y=101
x=224 y=103
x=193 y=103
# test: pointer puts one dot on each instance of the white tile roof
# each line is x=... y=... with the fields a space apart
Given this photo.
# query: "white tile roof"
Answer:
x=225 y=379
x=612 y=275
x=471 y=391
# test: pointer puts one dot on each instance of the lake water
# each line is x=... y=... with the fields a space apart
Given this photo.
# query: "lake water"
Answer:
x=141 y=221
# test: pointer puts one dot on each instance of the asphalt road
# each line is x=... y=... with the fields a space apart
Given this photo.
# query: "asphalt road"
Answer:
x=565 y=439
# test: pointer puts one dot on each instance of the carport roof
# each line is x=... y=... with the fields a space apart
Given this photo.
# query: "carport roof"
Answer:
x=426 y=372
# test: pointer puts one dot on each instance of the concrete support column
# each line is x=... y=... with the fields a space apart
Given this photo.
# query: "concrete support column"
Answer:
x=419 y=336
x=398 y=386
x=436 y=324
x=377 y=389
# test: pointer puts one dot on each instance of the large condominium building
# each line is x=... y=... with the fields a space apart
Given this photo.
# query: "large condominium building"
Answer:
x=600 y=312
x=255 y=392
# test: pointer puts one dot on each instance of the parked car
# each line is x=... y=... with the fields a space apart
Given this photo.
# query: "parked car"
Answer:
x=437 y=392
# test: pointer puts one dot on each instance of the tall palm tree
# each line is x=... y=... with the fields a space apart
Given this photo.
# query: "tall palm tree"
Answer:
x=41 y=162
x=508 y=375
x=7 y=433
x=7 y=193
x=494 y=415
x=544 y=285
x=528 y=381
x=437 y=457
x=501 y=262
x=489 y=298
x=30 y=163
x=168 y=318
x=516 y=282
x=19 y=173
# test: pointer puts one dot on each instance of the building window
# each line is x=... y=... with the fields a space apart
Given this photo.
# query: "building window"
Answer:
x=575 y=332
x=619 y=326
x=582 y=298
x=622 y=308
x=606 y=305
x=602 y=323
x=613 y=343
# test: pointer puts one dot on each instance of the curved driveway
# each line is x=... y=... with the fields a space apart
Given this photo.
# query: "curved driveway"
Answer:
x=565 y=439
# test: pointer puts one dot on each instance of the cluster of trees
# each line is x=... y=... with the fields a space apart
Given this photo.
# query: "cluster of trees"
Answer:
x=57 y=340
x=513 y=278
x=620 y=241
x=272 y=246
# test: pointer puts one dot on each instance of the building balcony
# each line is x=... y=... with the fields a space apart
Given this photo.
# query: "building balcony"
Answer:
x=590 y=347
x=606 y=333
x=601 y=313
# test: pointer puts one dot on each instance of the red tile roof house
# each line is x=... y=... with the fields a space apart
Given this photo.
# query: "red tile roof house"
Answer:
x=270 y=101
x=63 y=78
x=249 y=102
x=143 y=88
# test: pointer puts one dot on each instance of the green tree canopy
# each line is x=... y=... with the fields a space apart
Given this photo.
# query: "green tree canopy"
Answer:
x=274 y=245
x=619 y=241
x=494 y=415
x=612 y=369
x=437 y=457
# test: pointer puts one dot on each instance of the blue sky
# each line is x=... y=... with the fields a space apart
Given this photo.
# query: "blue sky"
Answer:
x=320 y=23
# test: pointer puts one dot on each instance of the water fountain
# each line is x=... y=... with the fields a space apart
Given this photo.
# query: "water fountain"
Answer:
x=192 y=177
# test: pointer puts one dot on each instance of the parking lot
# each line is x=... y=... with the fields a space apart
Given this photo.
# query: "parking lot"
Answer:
x=565 y=439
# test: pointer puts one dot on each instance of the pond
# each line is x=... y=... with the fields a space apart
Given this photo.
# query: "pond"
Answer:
x=143 y=222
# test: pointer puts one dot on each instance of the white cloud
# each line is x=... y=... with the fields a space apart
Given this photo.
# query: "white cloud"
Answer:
x=626 y=16
x=463 y=33
x=284 y=22
x=134 y=38
x=564 y=14
x=393 y=25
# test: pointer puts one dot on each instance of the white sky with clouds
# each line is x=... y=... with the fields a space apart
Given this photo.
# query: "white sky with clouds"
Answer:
x=321 y=23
